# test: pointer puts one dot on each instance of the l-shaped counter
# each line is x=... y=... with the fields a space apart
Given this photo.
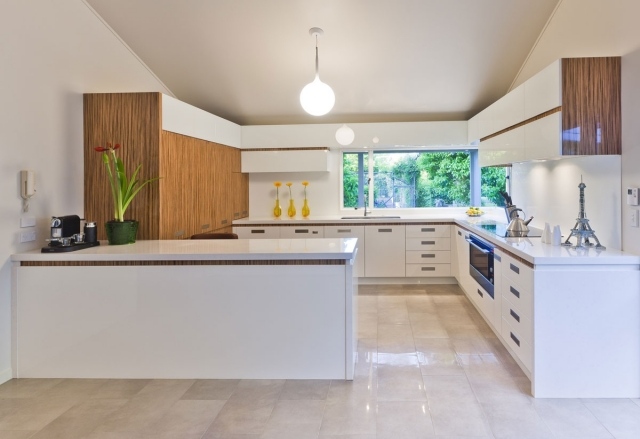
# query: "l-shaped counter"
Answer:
x=285 y=308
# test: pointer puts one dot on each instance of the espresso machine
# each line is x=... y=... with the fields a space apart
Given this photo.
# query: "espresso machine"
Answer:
x=66 y=235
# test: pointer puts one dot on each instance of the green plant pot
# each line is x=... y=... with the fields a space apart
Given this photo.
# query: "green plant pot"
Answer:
x=121 y=232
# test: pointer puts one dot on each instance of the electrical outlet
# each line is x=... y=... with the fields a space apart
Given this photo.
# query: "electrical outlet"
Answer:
x=27 y=221
x=28 y=236
x=633 y=217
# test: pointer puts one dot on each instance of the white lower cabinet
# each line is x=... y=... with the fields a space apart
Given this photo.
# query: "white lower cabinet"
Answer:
x=384 y=251
x=350 y=232
x=301 y=232
x=257 y=232
x=428 y=251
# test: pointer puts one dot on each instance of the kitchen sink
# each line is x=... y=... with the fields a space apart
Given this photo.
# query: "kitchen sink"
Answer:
x=370 y=217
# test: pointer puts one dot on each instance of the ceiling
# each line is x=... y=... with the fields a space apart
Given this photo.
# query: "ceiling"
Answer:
x=387 y=61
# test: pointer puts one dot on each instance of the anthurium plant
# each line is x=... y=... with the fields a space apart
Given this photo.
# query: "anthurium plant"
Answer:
x=122 y=189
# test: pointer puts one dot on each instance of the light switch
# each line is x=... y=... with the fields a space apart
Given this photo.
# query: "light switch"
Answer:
x=633 y=217
x=27 y=221
x=28 y=236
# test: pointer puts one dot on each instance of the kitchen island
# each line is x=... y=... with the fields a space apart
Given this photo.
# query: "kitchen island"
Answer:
x=260 y=309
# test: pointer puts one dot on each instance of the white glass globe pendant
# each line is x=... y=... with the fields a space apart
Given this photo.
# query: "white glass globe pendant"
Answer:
x=317 y=98
x=345 y=135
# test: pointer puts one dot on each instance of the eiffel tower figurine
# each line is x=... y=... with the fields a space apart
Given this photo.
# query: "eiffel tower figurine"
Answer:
x=582 y=230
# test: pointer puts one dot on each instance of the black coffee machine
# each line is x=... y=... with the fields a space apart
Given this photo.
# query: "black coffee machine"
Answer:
x=66 y=236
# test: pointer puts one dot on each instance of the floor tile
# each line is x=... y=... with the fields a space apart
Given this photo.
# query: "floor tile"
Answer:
x=400 y=383
x=437 y=357
x=368 y=325
x=119 y=389
x=242 y=416
x=395 y=339
x=508 y=420
x=426 y=325
x=361 y=389
x=211 y=389
x=189 y=417
x=403 y=419
x=367 y=304
x=498 y=390
x=305 y=389
x=448 y=387
x=458 y=418
x=621 y=417
x=165 y=389
x=396 y=315
x=258 y=389
x=18 y=434
x=26 y=387
x=352 y=417
x=74 y=388
x=32 y=413
x=471 y=346
x=421 y=304
x=347 y=436
x=301 y=417
x=570 y=418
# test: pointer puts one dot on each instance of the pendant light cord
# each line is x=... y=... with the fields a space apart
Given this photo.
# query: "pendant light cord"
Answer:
x=317 y=56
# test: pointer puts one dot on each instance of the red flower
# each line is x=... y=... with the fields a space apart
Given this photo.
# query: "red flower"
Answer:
x=100 y=149
x=109 y=147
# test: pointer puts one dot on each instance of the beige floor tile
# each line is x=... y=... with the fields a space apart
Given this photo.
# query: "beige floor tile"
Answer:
x=400 y=383
x=620 y=416
x=471 y=346
x=421 y=304
x=26 y=387
x=395 y=339
x=32 y=414
x=505 y=358
x=448 y=387
x=242 y=416
x=305 y=389
x=115 y=435
x=74 y=388
x=119 y=389
x=463 y=331
x=80 y=420
x=391 y=301
x=302 y=417
x=361 y=389
x=230 y=436
x=427 y=326
x=138 y=414
x=368 y=325
x=393 y=315
x=165 y=389
x=189 y=417
x=403 y=419
x=351 y=417
x=570 y=418
x=497 y=390
x=18 y=434
x=258 y=389
x=458 y=418
x=509 y=420
x=211 y=389
x=437 y=357
x=347 y=436
x=367 y=304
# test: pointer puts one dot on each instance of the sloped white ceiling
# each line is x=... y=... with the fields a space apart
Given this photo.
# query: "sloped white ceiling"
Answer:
x=403 y=60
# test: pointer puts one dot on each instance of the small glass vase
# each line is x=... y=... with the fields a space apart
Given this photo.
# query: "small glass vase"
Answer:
x=277 y=210
x=305 y=209
x=292 y=209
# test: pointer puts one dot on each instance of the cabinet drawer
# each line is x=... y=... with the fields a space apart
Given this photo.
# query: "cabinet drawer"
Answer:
x=428 y=243
x=517 y=320
x=518 y=272
x=428 y=270
x=435 y=231
x=428 y=257
x=302 y=232
x=518 y=345
x=257 y=232
x=519 y=296
x=483 y=301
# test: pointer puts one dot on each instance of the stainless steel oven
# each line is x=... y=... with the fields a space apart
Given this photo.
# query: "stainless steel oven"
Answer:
x=481 y=262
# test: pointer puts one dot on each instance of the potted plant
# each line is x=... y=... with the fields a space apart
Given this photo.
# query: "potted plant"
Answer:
x=119 y=230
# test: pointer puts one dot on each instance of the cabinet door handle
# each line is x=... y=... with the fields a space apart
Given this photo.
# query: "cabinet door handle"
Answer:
x=514 y=268
x=428 y=242
x=205 y=226
x=428 y=255
x=428 y=229
x=224 y=221
x=497 y=257
x=514 y=315
x=514 y=292
x=428 y=268
x=514 y=338
x=385 y=230
x=459 y=233
x=480 y=293
x=236 y=214
x=344 y=230
x=258 y=231
x=301 y=231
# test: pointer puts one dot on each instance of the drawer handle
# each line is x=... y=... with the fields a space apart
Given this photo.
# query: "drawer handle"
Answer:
x=514 y=338
x=385 y=230
x=428 y=268
x=428 y=229
x=514 y=292
x=459 y=233
x=514 y=315
x=497 y=257
x=428 y=242
x=205 y=226
x=301 y=231
x=224 y=221
x=344 y=230
x=244 y=212
x=480 y=293
x=258 y=231
x=428 y=255
x=514 y=268
x=236 y=214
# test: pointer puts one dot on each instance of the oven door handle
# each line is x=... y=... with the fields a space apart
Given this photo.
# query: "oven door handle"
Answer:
x=486 y=252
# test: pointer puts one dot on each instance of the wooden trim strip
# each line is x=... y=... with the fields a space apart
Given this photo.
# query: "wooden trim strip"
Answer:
x=502 y=249
x=154 y=263
x=313 y=148
x=524 y=122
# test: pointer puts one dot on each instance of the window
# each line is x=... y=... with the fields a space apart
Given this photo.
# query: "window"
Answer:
x=410 y=179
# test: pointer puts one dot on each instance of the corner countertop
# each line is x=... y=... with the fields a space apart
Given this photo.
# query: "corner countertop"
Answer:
x=206 y=250
x=357 y=219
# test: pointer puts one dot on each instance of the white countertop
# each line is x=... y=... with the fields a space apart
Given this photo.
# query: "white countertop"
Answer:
x=375 y=218
x=205 y=250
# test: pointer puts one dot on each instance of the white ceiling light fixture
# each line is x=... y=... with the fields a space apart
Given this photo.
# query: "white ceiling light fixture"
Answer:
x=317 y=98
x=345 y=135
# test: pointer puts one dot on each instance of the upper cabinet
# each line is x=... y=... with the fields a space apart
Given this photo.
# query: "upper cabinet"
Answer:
x=285 y=160
x=572 y=107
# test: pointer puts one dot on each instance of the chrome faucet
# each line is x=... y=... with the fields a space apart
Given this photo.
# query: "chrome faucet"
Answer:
x=369 y=197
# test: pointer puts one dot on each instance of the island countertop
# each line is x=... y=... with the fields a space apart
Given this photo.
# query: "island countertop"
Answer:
x=205 y=250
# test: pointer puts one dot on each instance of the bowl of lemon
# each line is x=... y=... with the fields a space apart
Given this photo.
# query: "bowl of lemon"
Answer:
x=474 y=211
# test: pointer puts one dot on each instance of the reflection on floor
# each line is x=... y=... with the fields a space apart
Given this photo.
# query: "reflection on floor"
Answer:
x=428 y=366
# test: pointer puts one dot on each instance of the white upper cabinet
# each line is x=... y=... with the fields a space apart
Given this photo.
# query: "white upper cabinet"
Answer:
x=543 y=137
x=509 y=110
x=503 y=149
x=473 y=130
x=543 y=92
x=282 y=160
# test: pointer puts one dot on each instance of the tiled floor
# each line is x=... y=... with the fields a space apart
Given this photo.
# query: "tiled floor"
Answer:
x=428 y=366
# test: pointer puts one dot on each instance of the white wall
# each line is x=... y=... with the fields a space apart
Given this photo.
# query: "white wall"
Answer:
x=630 y=144
x=323 y=192
x=549 y=192
x=52 y=53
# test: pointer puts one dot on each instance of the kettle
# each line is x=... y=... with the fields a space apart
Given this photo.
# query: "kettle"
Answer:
x=518 y=226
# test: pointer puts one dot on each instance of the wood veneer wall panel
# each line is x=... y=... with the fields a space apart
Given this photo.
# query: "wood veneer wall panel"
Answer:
x=134 y=121
x=591 y=106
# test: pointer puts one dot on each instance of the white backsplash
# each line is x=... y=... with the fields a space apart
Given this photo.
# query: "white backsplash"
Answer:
x=549 y=192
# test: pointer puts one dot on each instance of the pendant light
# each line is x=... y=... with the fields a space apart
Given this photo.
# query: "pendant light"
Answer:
x=317 y=98
x=345 y=135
